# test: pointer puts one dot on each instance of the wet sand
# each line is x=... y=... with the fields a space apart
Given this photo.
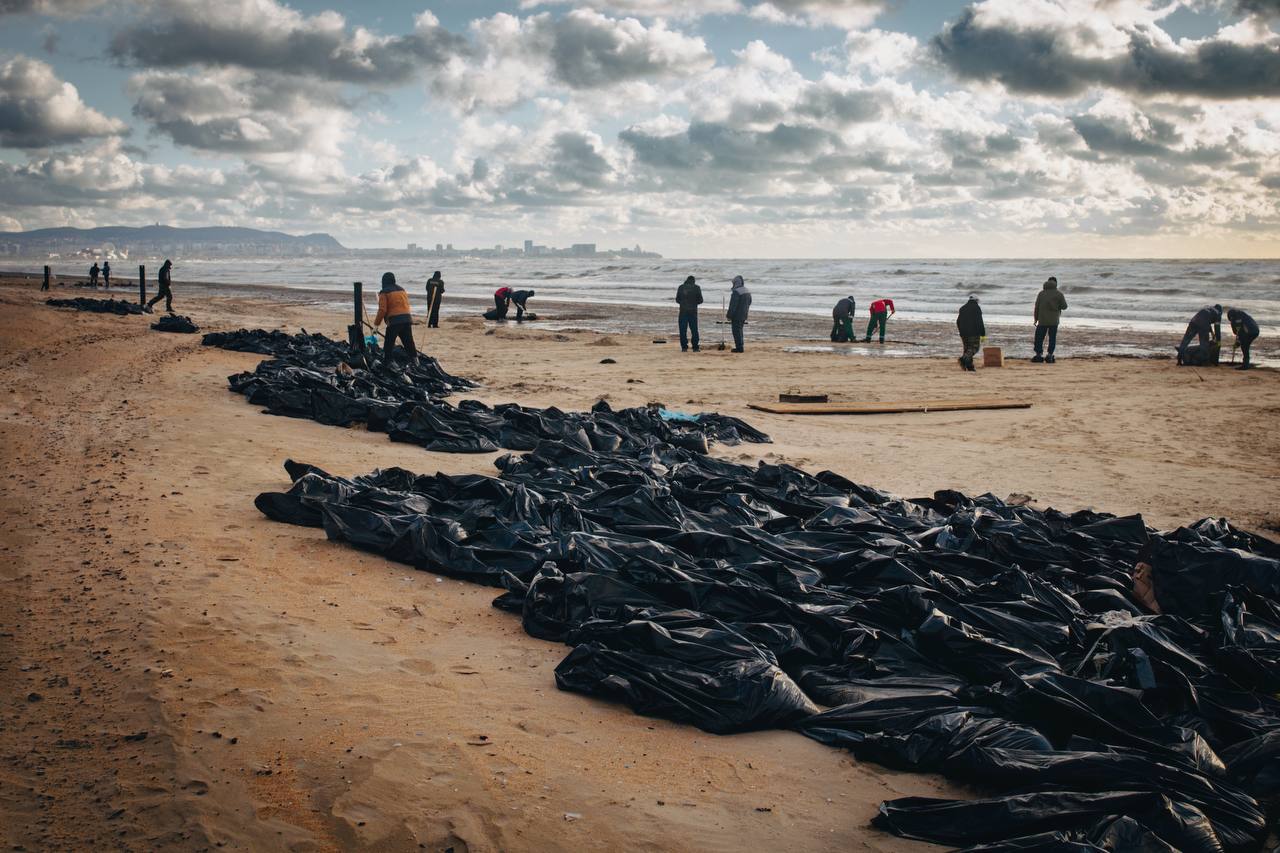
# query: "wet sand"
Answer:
x=177 y=672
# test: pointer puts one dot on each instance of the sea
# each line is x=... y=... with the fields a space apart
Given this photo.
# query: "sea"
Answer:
x=1151 y=296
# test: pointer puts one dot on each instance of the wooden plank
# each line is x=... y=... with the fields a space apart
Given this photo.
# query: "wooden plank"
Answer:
x=887 y=408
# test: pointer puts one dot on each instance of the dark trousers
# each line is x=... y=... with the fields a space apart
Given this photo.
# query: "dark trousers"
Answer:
x=1246 y=341
x=500 y=305
x=842 y=330
x=971 y=346
x=519 y=310
x=1193 y=331
x=737 y=325
x=403 y=331
x=688 y=327
x=106 y=281
x=1041 y=332
x=433 y=319
x=166 y=294
x=878 y=318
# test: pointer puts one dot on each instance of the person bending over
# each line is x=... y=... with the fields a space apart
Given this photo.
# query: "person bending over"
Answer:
x=1206 y=325
x=393 y=306
x=501 y=302
x=842 y=320
x=1245 y=328
x=881 y=311
x=519 y=298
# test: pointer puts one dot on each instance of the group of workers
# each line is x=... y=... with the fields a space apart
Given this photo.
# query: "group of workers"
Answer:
x=842 y=319
x=689 y=297
x=104 y=271
x=1206 y=326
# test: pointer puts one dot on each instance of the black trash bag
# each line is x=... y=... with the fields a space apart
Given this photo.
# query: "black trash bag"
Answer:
x=98 y=306
x=733 y=695
x=175 y=323
x=1188 y=575
x=959 y=822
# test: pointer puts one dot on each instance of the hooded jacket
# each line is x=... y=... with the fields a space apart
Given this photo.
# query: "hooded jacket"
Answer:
x=1207 y=316
x=1242 y=324
x=739 y=301
x=969 y=320
x=166 y=277
x=689 y=295
x=393 y=303
x=435 y=286
x=844 y=308
x=1050 y=303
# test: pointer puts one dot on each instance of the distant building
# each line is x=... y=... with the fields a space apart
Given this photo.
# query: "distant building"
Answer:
x=412 y=247
x=584 y=250
x=439 y=248
x=528 y=247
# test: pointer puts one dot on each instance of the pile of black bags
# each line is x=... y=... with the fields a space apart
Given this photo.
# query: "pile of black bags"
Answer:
x=100 y=306
x=999 y=645
x=320 y=379
x=175 y=323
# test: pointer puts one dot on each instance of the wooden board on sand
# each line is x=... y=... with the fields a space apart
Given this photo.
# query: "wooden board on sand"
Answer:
x=887 y=408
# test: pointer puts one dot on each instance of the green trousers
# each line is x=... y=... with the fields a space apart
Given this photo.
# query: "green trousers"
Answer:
x=877 y=318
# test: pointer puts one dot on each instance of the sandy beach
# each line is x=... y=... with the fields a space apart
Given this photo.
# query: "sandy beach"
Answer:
x=177 y=672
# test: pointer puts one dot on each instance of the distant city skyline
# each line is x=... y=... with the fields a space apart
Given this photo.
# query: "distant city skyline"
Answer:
x=698 y=128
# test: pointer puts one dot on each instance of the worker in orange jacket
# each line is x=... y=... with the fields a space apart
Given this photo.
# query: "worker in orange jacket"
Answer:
x=393 y=306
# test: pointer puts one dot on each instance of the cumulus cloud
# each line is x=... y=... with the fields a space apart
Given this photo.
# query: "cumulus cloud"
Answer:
x=38 y=110
x=840 y=13
x=1054 y=50
x=264 y=35
x=516 y=59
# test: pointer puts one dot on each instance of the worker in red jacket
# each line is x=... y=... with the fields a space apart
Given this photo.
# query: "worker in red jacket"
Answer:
x=881 y=311
x=501 y=303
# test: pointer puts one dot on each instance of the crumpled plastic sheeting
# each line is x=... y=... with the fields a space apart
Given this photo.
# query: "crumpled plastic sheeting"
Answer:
x=999 y=645
x=175 y=323
x=317 y=378
x=100 y=306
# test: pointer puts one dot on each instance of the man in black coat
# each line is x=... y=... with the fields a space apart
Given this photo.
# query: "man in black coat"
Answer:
x=165 y=292
x=972 y=330
x=435 y=295
x=1245 y=328
x=688 y=297
x=1206 y=325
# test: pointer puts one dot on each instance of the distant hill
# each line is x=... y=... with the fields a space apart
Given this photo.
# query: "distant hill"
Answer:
x=124 y=241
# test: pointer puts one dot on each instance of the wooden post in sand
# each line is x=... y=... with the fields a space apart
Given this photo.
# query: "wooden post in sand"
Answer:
x=355 y=332
x=45 y=286
x=142 y=284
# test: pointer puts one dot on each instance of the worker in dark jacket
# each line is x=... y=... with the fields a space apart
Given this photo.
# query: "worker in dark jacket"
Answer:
x=435 y=294
x=519 y=298
x=739 y=308
x=842 y=320
x=393 y=306
x=1246 y=331
x=881 y=311
x=972 y=330
x=165 y=292
x=106 y=273
x=1050 y=303
x=93 y=274
x=688 y=297
x=501 y=303
x=1206 y=325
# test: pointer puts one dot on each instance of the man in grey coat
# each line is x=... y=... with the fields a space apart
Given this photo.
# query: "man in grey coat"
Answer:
x=1050 y=303
x=739 y=307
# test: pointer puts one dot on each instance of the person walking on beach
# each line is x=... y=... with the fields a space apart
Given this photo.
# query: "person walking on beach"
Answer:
x=688 y=297
x=739 y=308
x=165 y=292
x=842 y=320
x=1205 y=325
x=881 y=311
x=435 y=293
x=393 y=306
x=93 y=274
x=519 y=298
x=972 y=330
x=501 y=302
x=1050 y=303
x=1245 y=328
x=106 y=274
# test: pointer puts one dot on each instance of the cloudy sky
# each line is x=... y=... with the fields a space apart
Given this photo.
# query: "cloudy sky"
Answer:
x=757 y=128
